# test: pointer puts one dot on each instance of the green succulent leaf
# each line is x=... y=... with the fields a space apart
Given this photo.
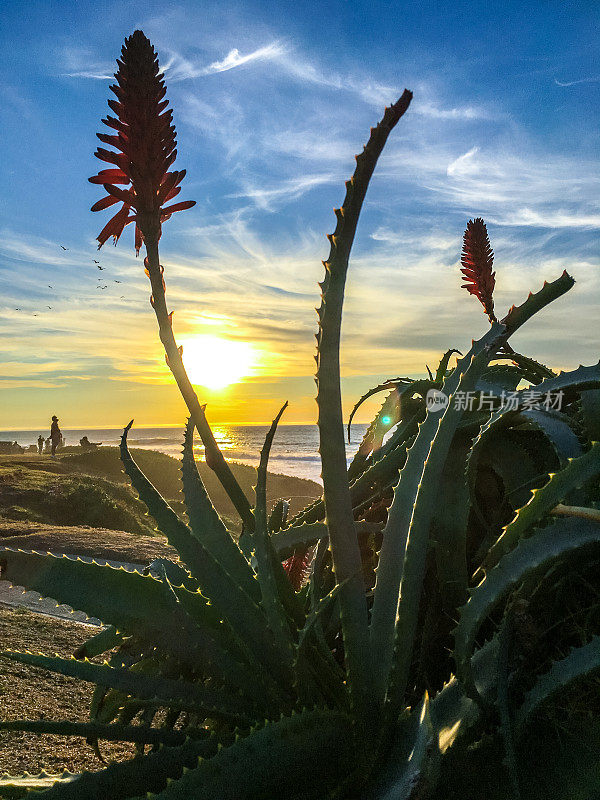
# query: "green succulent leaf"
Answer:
x=206 y=525
x=543 y=500
x=551 y=546
x=581 y=662
x=244 y=616
x=272 y=762
x=162 y=691
x=130 y=779
x=405 y=538
x=140 y=734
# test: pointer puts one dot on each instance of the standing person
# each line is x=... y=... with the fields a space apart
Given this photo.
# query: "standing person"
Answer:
x=40 y=444
x=55 y=434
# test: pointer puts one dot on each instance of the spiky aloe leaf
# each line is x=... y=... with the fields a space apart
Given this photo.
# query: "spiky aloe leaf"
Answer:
x=134 y=778
x=581 y=662
x=530 y=369
x=412 y=767
x=244 y=616
x=385 y=419
x=14 y=787
x=272 y=762
x=270 y=599
x=177 y=574
x=106 y=639
x=412 y=508
x=390 y=383
x=517 y=464
x=440 y=373
x=140 y=734
x=449 y=526
x=398 y=406
x=559 y=430
x=577 y=380
x=336 y=494
x=518 y=315
x=381 y=472
x=590 y=410
x=233 y=707
x=206 y=524
x=543 y=500
x=549 y=547
x=286 y=541
x=135 y=604
x=132 y=602
x=279 y=515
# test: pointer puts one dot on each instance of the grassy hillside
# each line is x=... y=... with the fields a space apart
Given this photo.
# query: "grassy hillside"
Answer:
x=55 y=496
x=164 y=472
x=90 y=488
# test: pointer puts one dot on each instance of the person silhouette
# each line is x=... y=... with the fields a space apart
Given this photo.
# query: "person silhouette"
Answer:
x=40 y=444
x=55 y=434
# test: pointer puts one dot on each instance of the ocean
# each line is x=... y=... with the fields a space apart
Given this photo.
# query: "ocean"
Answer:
x=294 y=451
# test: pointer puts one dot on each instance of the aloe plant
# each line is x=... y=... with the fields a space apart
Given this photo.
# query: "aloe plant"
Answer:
x=374 y=644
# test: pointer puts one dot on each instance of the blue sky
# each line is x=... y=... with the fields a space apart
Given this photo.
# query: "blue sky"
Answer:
x=271 y=101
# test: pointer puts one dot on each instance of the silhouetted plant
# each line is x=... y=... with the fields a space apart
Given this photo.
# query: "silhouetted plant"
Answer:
x=435 y=552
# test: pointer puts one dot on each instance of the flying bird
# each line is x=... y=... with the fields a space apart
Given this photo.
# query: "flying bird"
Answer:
x=100 y=267
x=64 y=248
x=50 y=307
x=95 y=262
x=117 y=281
x=50 y=287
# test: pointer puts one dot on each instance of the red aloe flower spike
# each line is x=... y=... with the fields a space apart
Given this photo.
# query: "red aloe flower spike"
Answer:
x=297 y=567
x=145 y=141
x=477 y=260
x=145 y=150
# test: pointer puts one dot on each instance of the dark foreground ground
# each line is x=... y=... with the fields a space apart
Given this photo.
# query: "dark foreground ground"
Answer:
x=32 y=693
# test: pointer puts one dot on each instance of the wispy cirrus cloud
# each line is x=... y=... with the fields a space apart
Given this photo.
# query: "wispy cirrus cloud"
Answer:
x=591 y=79
x=179 y=68
x=459 y=164
x=80 y=62
x=269 y=199
x=465 y=112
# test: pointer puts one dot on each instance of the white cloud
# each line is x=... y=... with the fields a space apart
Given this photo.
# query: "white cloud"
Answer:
x=461 y=164
x=99 y=76
x=286 y=191
x=178 y=68
x=593 y=79
x=468 y=112
x=234 y=59
x=529 y=217
x=79 y=62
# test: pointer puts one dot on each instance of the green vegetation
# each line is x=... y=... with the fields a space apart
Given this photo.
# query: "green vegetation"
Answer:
x=51 y=495
x=447 y=628
x=90 y=488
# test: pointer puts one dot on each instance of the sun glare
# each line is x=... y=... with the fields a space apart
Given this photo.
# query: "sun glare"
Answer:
x=216 y=363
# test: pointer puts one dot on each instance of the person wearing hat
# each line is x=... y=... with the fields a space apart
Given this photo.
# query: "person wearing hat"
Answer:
x=55 y=434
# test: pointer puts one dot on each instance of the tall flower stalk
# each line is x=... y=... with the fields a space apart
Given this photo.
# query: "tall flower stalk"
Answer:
x=477 y=260
x=145 y=141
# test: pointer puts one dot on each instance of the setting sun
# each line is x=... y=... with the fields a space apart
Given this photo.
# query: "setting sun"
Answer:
x=216 y=363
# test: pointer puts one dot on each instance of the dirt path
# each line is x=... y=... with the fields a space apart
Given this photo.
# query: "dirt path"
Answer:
x=115 y=548
x=17 y=597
